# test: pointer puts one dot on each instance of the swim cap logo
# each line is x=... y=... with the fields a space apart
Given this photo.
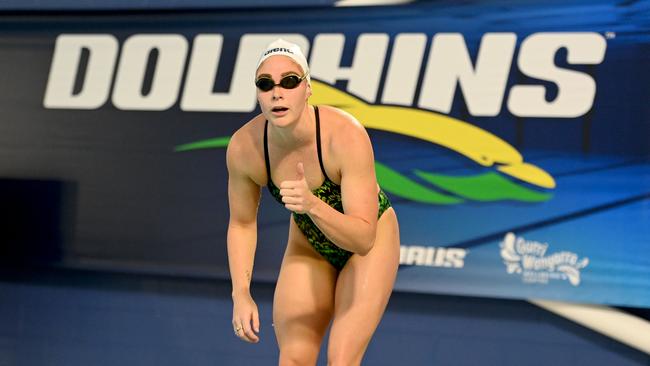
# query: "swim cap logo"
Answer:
x=528 y=258
x=278 y=49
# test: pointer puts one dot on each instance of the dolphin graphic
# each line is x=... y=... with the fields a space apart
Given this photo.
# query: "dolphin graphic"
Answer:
x=476 y=144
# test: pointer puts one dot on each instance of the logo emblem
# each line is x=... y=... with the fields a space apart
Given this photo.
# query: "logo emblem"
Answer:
x=529 y=259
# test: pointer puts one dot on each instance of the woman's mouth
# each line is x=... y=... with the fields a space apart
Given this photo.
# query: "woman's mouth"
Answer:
x=279 y=111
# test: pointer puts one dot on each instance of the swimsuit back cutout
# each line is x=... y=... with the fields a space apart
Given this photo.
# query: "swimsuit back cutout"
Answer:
x=330 y=193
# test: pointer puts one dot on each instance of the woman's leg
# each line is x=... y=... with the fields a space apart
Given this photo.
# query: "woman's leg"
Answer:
x=362 y=291
x=303 y=303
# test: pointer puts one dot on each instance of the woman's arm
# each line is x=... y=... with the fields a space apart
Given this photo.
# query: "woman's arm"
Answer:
x=355 y=230
x=243 y=199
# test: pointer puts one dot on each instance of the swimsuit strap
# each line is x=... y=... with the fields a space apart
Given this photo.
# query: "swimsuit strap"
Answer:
x=266 y=154
x=318 y=147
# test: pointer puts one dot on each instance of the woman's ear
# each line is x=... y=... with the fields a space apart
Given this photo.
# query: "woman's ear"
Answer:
x=308 y=90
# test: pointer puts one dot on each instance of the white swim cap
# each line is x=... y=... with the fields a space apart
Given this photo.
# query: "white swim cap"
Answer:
x=284 y=48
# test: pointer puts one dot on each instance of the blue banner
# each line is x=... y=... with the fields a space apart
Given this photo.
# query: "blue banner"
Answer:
x=512 y=140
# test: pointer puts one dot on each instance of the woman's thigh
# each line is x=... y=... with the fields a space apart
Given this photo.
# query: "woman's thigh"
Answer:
x=362 y=292
x=304 y=301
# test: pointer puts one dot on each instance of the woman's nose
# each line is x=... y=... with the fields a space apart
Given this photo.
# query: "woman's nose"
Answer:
x=277 y=92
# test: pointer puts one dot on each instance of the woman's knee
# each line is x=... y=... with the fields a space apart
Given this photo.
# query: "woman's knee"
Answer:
x=298 y=356
x=347 y=348
x=341 y=355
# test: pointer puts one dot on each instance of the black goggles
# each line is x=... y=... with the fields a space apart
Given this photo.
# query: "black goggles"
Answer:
x=288 y=82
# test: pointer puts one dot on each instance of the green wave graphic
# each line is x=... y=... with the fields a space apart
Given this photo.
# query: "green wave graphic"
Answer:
x=399 y=185
x=488 y=187
x=212 y=143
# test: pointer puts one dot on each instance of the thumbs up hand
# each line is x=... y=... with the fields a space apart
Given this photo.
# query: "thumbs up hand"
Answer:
x=296 y=194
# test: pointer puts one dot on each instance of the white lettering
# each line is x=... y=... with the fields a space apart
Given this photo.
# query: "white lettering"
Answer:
x=365 y=73
x=576 y=90
x=530 y=247
x=404 y=69
x=449 y=64
x=102 y=49
x=456 y=257
x=440 y=257
x=415 y=255
x=172 y=51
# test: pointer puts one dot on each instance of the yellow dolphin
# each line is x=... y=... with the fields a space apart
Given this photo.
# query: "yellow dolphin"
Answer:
x=479 y=145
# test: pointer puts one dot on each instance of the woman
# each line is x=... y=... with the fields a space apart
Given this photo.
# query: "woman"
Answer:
x=342 y=252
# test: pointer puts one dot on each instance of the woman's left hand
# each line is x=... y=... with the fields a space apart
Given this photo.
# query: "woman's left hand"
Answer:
x=296 y=194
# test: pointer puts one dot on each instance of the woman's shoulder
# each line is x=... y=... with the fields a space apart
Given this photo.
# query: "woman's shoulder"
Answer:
x=250 y=133
x=334 y=115
x=341 y=124
x=245 y=148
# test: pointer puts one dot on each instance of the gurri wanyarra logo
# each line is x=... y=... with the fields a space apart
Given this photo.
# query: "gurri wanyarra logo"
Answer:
x=531 y=183
x=528 y=258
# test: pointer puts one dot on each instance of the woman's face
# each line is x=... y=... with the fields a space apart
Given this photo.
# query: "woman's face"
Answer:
x=282 y=106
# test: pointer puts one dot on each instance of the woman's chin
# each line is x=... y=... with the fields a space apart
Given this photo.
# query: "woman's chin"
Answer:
x=280 y=121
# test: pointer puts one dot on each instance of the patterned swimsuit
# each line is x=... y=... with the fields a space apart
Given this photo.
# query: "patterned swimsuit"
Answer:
x=330 y=193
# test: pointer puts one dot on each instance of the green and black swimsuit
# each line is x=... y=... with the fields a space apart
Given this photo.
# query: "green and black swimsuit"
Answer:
x=330 y=193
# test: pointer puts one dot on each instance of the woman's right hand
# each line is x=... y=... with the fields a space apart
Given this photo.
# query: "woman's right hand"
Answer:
x=245 y=317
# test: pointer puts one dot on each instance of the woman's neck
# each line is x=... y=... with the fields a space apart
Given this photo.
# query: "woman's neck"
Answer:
x=297 y=134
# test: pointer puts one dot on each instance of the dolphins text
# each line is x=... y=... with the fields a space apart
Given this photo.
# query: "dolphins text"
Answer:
x=186 y=75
